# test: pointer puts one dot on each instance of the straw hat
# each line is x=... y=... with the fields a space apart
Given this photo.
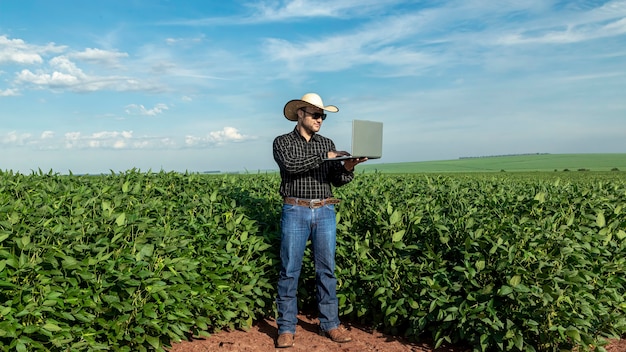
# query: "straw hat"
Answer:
x=309 y=99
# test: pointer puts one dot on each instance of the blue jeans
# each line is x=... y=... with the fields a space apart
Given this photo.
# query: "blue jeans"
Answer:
x=299 y=224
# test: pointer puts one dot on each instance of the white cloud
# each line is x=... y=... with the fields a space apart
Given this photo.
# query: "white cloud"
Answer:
x=72 y=136
x=19 y=52
x=119 y=144
x=134 y=109
x=454 y=33
x=103 y=139
x=20 y=57
x=569 y=34
x=226 y=135
x=184 y=41
x=104 y=57
x=47 y=135
x=54 y=80
x=66 y=75
x=61 y=73
x=608 y=20
x=48 y=140
x=272 y=10
x=292 y=10
x=15 y=139
x=9 y=92
x=375 y=43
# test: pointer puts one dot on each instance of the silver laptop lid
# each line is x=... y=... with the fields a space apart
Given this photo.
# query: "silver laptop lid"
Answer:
x=367 y=139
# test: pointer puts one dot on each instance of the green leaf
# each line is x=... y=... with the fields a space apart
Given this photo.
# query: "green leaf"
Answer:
x=573 y=334
x=25 y=241
x=515 y=280
x=70 y=263
x=149 y=310
x=52 y=327
x=379 y=291
x=484 y=342
x=6 y=284
x=395 y=217
x=29 y=329
x=121 y=219
x=14 y=218
x=50 y=303
x=117 y=237
x=153 y=341
x=600 y=221
x=397 y=236
x=505 y=290
x=146 y=251
x=106 y=207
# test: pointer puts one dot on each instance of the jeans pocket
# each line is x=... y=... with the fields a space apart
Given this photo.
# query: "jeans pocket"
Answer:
x=288 y=208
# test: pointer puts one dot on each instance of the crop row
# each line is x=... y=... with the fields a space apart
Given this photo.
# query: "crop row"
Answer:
x=134 y=261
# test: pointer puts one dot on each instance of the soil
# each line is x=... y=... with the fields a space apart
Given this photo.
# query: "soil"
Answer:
x=261 y=336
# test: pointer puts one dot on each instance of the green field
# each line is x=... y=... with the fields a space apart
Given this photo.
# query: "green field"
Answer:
x=507 y=261
x=535 y=162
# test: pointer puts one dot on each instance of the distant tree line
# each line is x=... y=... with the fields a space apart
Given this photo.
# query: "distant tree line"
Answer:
x=498 y=156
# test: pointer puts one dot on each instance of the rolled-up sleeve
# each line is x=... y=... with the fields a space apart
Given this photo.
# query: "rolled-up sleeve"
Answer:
x=339 y=175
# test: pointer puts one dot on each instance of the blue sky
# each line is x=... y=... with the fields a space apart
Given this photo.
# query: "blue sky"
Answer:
x=100 y=86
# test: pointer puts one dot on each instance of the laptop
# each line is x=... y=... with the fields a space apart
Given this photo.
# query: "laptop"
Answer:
x=367 y=140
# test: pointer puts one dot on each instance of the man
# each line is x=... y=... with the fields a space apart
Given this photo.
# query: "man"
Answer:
x=308 y=213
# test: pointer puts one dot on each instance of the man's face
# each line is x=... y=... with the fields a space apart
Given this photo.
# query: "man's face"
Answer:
x=311 y=118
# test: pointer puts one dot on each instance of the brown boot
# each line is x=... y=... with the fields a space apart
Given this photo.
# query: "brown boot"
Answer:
x=339 y=334
x=285 y=340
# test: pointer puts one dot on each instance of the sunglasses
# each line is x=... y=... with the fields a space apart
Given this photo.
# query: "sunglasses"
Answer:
x=316 y=115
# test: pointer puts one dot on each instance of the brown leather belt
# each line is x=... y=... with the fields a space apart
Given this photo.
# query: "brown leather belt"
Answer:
x=310 y=203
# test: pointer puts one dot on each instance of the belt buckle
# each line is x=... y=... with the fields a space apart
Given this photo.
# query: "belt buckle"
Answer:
x=316 y=203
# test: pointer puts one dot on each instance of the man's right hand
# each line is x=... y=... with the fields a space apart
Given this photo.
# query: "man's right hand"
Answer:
x=336 y=153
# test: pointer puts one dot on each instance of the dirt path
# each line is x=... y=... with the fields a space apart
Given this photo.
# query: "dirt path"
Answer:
x=261 y=336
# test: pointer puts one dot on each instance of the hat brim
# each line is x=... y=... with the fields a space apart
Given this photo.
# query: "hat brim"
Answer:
x=291 y=108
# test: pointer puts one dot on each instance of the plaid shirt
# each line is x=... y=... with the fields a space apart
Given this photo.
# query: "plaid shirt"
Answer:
x=303 y=172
